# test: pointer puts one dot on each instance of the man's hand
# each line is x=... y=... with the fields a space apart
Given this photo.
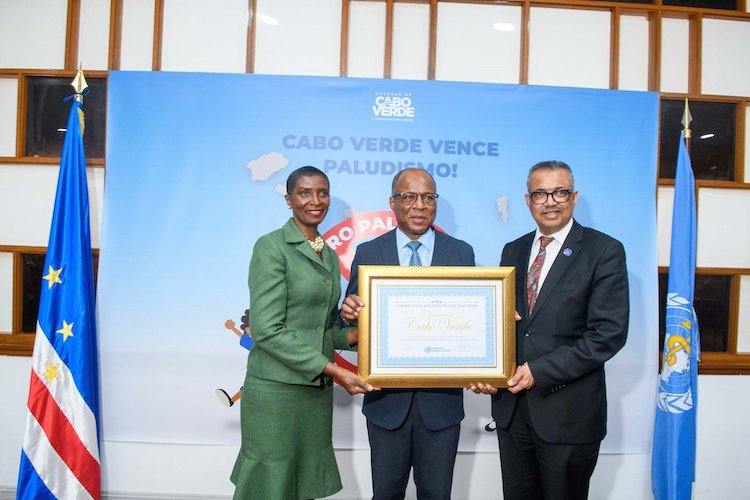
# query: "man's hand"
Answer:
x=351 y=307
x=482 y=388
x=522 y=380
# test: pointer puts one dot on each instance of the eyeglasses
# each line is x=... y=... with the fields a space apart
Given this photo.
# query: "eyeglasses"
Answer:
x=559 y=195
x=411 y=198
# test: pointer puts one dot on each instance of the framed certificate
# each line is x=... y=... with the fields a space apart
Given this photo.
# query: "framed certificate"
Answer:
x=436 y=326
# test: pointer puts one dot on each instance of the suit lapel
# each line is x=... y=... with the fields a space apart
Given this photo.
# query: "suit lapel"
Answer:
x=568 y=253
x=294 y=236
x=441 y=252
x=328 y=256
x=523 y=264
x=387 y=248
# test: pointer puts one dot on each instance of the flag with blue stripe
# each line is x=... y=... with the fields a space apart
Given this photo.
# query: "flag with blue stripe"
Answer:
x=60 y=455
x=673 y=456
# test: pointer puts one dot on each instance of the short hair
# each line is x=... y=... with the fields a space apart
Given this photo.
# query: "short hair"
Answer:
x=306 y=171
x=551 y=165
x=402 y=172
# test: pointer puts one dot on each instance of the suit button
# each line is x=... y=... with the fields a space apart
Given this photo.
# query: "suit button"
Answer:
x=328 y=282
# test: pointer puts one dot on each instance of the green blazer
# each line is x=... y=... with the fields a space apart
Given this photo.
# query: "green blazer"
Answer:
x=294 y=297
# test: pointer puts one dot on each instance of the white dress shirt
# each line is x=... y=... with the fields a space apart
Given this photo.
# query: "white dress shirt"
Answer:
x=553 y=249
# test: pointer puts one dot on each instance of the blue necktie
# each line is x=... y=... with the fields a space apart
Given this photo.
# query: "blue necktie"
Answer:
x=414 y=260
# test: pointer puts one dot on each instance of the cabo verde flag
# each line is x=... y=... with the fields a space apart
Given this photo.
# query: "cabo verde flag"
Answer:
x=60 y=456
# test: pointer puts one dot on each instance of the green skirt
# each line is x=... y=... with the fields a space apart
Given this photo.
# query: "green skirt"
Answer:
x=287 y=449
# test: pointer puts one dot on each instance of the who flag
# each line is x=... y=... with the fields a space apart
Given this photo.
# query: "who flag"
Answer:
x=673 y=455
x=60 y=456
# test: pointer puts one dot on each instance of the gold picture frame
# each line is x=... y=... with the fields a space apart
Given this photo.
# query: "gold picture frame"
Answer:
x=436 y=326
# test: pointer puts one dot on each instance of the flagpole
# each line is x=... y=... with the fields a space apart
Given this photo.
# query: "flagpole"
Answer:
x=674 y=447
x=60 y=451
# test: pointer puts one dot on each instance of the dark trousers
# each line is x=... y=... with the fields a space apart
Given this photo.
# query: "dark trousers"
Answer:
x=393 y=453
x=534 y=469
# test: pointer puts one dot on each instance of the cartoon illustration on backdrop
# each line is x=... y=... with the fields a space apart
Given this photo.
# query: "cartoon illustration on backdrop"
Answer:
x=246 y=341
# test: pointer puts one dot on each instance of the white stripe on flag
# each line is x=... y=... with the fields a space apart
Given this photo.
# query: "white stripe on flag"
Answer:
x=55 y=473
x=65 y=393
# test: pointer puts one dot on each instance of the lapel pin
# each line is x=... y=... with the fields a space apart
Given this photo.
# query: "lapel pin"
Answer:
x=567 y=252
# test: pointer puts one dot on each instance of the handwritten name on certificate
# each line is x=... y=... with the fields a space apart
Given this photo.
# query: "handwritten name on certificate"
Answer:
x=440 y=327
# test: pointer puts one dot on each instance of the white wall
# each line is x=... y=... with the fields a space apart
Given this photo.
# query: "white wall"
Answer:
x=142 y=470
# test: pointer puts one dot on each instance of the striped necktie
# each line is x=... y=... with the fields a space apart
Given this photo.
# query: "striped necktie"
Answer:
x=532 y=278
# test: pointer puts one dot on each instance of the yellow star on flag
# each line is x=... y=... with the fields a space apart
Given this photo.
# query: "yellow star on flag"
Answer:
x=53 y=277
x=66 y=331
x=51 y=372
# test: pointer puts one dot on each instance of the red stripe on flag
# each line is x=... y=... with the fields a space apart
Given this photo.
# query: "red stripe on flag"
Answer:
x=344 y=363
x=63 y=436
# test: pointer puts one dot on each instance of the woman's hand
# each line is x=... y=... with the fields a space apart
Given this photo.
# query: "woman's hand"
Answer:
x=348 y=380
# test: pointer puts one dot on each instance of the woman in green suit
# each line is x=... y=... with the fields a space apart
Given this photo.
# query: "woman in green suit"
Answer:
x=287 y=405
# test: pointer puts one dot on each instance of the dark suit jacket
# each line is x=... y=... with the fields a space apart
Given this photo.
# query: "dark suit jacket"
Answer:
x=440 y=408
x=580 y=320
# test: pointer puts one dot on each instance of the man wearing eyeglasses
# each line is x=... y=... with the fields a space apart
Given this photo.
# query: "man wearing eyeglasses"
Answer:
x=411 y=428
x=572 y=298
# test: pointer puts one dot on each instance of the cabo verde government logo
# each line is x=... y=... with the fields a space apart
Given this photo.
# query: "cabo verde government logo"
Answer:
x=393 y=106
x=675 y=394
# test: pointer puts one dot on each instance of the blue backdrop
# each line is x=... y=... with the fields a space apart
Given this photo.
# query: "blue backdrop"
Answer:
x=196 y=166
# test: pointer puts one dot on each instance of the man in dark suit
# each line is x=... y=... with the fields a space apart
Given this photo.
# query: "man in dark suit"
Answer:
x=408 y=428
x=573 y=307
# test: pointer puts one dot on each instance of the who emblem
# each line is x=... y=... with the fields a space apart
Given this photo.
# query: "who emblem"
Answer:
x=675 y=394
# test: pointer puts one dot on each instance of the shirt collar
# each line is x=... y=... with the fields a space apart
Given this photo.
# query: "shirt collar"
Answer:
x=559 y=236
x=427 y=239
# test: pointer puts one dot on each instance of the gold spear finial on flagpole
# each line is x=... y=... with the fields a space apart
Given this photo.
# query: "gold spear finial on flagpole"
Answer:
x=686 y=119
x=79 y=84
